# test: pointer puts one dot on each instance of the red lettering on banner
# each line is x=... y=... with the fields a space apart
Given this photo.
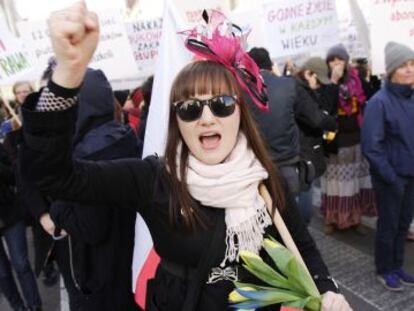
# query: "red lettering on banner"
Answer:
x=145 y=55
x=286 y=13
x=300 y=10
x=315 y=7
x=392 y=2
x=401 y=16
x=196 y=16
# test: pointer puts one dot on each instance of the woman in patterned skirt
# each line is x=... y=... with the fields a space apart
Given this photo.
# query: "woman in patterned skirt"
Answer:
x=346 y=185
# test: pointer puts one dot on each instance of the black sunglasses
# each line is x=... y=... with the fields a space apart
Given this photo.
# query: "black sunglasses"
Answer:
x=191 y=109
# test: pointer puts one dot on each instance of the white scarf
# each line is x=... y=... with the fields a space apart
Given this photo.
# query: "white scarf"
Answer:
x=233 y=185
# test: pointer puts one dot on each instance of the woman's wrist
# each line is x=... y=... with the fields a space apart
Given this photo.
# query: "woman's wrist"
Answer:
x=68 y=77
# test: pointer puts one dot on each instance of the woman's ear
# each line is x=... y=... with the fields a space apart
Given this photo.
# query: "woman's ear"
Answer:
x=307 y=74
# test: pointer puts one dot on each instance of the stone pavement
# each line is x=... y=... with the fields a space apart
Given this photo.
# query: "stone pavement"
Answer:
x=349 y=257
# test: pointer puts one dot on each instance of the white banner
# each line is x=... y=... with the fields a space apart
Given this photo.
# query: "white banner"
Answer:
x=113 y=55
x=173 y=56
x=14 y=61
x=348 y=31
x=298 y=26
x=390 y=21
x=252 y=20
x=144 y=37
x=191 y=10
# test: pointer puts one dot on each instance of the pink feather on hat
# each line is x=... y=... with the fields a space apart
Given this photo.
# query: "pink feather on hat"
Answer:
x=217 y=41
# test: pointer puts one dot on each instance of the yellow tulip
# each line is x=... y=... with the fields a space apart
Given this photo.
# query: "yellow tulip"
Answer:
x=249 y=254
x=235 y=297
x=272 y=244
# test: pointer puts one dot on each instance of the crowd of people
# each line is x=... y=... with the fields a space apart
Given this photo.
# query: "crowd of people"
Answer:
x=74 y=171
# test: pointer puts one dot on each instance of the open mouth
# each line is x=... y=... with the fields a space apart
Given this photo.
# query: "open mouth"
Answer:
x=210 y=141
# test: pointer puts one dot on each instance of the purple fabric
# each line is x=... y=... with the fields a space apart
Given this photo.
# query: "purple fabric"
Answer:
x=352 y=88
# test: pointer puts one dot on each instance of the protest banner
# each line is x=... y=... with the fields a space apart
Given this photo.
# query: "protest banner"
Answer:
x=252 y=21
x=35 y=35
x=299 y=26
x=348 y=31
x=113 y=55
x=191 y=11
x=29 y=10
x=14 y=61
x=144 y=37
x=391 y=20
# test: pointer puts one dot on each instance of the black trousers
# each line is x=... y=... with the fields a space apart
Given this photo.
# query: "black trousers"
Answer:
x=62 y=258
x=395 y=212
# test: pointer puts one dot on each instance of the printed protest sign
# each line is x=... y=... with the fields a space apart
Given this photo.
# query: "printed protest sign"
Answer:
x=144 y=37
x=251 y=20
x=349 y=35
x=145 y=34
x=299 y=26
x=14 y=61
x=35 y=36
x=391 y=20
x=191 y=11
x=113 y=55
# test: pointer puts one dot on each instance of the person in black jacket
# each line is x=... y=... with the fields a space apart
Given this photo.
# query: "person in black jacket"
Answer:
x=199 y=200
x=312 y=121
x=96 y=258
x=278 y=125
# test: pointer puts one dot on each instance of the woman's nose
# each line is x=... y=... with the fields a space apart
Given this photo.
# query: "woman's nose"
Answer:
x=207 y=117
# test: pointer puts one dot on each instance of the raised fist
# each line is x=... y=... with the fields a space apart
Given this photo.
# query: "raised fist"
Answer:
x=74 y=32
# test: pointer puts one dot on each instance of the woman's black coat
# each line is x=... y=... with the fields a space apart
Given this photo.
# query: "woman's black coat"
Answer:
x=142 y=186
x=312 y=121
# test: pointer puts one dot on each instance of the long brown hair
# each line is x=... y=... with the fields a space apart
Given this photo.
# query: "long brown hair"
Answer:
x=205 y=77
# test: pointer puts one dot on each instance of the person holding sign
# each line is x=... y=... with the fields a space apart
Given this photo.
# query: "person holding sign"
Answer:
x=346 y=186
x=197 y=200
x=388 y=143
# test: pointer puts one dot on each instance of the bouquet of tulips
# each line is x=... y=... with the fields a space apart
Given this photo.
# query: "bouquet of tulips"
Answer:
x=290 y=285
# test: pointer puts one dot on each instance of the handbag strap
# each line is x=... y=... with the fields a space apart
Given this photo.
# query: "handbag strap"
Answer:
x=208 y=257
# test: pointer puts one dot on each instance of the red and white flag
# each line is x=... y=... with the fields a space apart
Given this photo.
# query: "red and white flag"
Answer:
x=179 y=15
x=173 y=56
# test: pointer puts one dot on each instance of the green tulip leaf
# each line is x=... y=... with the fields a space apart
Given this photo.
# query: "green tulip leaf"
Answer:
x=314 y=303
x=300 y=276
x=291 y=267
x=297 y=304
x=289 y=284
x=273 y=296
x=251 y=304
x=264 y=272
